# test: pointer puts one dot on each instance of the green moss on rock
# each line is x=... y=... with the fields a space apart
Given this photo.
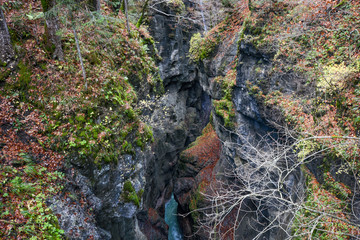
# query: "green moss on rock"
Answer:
x=225 y=107
x=128 y=187
x=130 y=195
x=24 y=76
x=202 y=47
x=197 y=198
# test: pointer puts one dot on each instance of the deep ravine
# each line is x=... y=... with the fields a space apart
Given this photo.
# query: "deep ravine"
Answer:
x=232 y=120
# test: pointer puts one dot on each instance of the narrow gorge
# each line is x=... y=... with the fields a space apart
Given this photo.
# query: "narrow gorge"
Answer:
x=179 y=119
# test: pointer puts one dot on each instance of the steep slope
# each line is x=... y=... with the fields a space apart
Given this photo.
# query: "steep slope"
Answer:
x=94 y=122
x=104 y=124
x=252 y=125
x=266 y=112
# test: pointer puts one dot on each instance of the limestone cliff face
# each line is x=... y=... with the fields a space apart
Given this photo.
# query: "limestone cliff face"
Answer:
x=250 y=128
x=181 y=162
x=177 y=118
x=100 y=191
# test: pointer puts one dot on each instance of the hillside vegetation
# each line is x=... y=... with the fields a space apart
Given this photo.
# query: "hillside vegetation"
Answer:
x=51 y=111
x=74 y=97
x=311 y=94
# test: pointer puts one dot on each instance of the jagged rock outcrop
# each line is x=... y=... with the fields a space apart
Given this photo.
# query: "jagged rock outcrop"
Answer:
x=177 y=120
x=251 y=128
x=96 y=207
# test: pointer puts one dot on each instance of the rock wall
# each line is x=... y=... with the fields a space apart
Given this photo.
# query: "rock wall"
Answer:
x=181 y=162
x=177 y=120
x=251 y=128
x=95 y=207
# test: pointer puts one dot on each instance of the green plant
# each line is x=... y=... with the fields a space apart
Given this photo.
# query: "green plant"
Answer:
x=33 y=185
x=40 y=220
x=225 y=107
x=202 y=47
x=176 y=5
x=24 y=77
x=11 y=4
x=130 y=195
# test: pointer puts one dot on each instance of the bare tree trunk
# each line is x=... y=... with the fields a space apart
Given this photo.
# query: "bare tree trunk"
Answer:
x=80 y=57
x=7 y=55
x=122 y=6
x=249 y=5
x=127 y=16
x=53 y=41
x=73 y=25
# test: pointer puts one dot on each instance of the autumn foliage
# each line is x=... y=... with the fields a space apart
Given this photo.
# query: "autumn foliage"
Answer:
x=204 y=154
x=94 y=117
x=315 y=46
x=317 y=41
x=48 y=108
x=325 y=200
x=28 y=173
